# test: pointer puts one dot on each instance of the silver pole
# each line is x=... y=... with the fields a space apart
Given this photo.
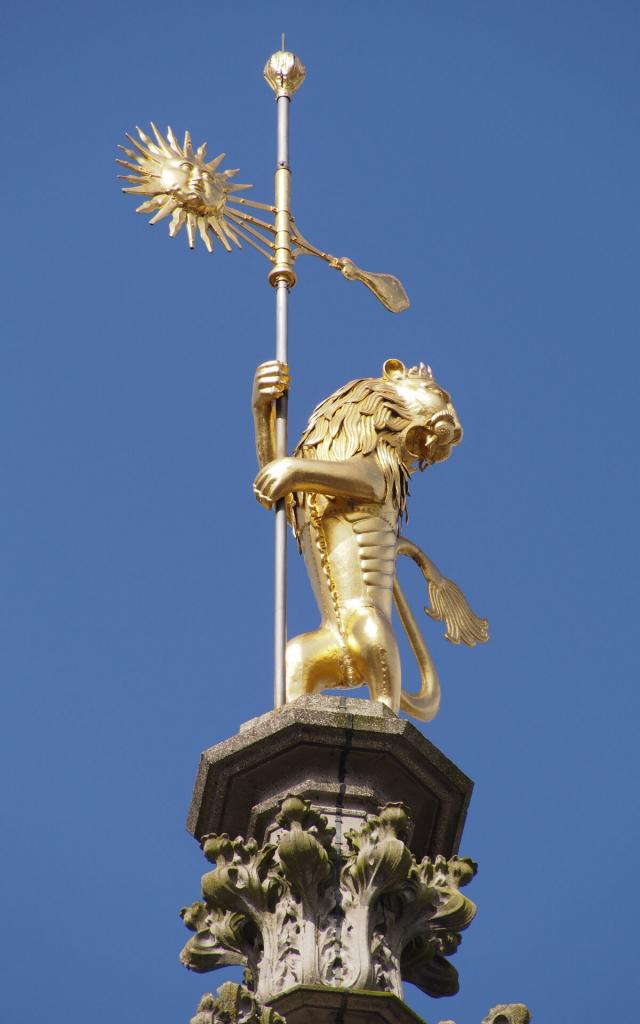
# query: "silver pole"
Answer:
x=285 y=74
x=282 y=302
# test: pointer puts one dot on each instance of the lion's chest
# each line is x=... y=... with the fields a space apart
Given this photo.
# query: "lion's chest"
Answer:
x=353 y=554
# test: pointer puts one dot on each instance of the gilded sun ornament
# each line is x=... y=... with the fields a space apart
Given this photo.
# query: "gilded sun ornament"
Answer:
x=180 y=183
x=183 y=185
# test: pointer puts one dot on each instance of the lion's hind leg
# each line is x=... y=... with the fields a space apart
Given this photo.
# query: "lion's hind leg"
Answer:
x=315 y=662
x=374 y=654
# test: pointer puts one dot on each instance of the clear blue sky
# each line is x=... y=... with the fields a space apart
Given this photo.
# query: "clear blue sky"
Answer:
x=488 y=154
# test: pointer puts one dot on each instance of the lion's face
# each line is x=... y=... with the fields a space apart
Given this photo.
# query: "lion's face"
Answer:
x=435 y=426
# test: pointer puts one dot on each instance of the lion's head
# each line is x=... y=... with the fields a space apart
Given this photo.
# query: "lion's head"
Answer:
x=403 y=416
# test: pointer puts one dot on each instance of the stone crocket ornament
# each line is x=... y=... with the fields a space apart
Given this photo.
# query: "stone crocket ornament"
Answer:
x=361 y=914
x=346 y=487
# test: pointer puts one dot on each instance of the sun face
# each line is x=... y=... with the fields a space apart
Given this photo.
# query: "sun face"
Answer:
x=182 y=185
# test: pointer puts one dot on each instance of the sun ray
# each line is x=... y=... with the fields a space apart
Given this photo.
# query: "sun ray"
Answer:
x=215 y=163
x=130 y=153
x=160 y=140
x=219 y=232
x=151 y=149
x=164 y=210
x=214 y=224
x=136 y=190
x=225 y=240
x=129 y=166
x=191 y=229
x=258 y=248
x=230 y=233
x=252 y=231
x=204 y=234
x=187 y=147
x=150 y=205
x=253 y=203
x=137 y=145
x=265 y=225
x=172 y=141
x=144 y=138
x=178 y=219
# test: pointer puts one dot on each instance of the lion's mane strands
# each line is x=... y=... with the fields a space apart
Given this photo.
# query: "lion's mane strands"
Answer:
x=362 y=417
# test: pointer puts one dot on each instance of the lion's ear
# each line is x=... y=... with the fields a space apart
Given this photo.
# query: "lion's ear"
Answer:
x=393 y=369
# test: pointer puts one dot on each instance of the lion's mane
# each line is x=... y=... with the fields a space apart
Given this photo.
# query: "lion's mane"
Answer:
x=362 y=417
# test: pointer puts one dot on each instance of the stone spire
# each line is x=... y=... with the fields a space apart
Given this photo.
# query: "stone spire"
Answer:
x=333 y=829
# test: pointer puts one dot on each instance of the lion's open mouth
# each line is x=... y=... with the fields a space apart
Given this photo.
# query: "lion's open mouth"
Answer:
x=444 y=432
x=445 y=427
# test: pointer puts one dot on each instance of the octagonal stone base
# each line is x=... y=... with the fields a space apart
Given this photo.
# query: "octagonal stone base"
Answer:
x=347 y=756
x=314 y=1004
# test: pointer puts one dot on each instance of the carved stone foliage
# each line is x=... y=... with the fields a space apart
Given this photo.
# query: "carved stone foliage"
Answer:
x=233 y=1004
x=301 y=910
x=508 y=1013
x=504 y=1013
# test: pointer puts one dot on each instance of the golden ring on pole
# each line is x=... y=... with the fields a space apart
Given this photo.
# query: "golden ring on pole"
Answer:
x=283 y=257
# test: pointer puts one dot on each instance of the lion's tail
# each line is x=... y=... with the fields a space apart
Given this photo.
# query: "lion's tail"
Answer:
x=448 y=605
x=424 y=704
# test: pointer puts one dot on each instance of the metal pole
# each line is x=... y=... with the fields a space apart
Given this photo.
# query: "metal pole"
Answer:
x=284 y=73
x=283 y=191
x=282 y=354
x=280 y=576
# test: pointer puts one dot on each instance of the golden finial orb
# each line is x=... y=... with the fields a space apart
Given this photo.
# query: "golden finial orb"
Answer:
x=284 y=72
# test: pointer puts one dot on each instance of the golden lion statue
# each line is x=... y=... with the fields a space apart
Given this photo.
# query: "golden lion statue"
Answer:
x=346 y=487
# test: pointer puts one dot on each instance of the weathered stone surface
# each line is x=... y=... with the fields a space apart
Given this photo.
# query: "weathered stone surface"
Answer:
x=234 y=1004
x=504 y=1013
x=508 y=1013
x=363 y=915
x=313 y=1004
x=347 y=756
